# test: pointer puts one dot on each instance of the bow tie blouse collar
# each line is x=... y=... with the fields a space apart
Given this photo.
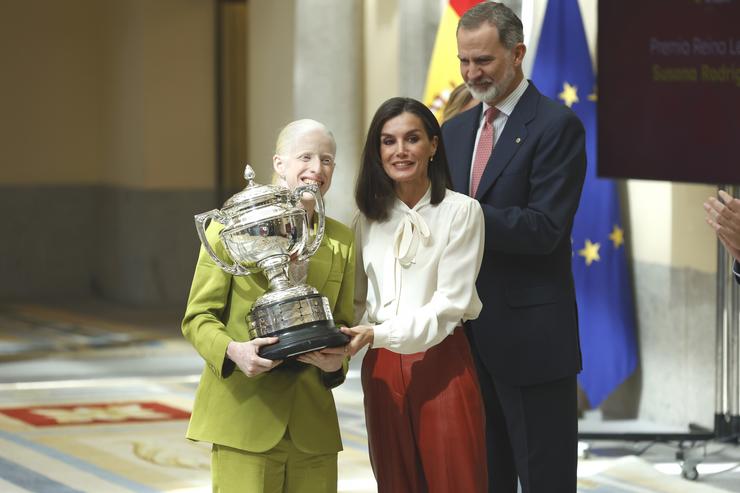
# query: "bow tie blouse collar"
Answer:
x=411 y=232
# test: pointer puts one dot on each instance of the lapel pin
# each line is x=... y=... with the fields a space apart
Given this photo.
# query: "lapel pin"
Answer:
x=518 y=140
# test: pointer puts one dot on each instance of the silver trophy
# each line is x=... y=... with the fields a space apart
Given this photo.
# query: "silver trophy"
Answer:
x=265 y=230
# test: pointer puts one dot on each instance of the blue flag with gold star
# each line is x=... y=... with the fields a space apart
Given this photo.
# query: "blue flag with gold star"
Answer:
x=563 y=71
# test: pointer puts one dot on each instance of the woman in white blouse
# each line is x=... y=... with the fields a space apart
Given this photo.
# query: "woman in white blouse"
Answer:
x=419 y=248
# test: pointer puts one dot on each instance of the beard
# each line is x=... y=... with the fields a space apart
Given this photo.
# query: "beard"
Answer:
x=496 y=89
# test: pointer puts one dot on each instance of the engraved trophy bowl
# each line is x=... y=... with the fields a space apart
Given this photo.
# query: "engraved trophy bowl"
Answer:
x=264 y=230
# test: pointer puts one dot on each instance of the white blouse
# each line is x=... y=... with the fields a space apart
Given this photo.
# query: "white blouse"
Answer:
x=416 y=271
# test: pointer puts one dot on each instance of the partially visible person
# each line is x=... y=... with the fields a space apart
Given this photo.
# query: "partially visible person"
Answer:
x=419 y=248
x=522 y=156
x=723 y=215
x=273 y=425
x=460 y=100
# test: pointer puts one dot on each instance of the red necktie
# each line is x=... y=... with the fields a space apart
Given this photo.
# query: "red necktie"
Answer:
x=483 y=151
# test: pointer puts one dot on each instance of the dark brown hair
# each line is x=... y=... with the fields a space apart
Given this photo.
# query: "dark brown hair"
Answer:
x=374 y=192
x=510 y=31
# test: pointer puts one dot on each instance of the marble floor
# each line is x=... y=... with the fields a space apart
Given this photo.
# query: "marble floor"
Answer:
x=95 y=397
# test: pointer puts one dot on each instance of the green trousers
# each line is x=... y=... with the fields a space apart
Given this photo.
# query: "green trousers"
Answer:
x=283 y=469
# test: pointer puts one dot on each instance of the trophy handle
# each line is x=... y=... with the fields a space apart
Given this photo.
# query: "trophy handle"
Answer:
x=311 y=248
x=200 y=226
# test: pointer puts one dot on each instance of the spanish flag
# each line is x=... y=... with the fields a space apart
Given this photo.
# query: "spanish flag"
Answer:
x=444 y=68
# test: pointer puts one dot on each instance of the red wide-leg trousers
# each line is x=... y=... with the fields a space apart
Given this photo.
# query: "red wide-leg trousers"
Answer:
x=425 y=419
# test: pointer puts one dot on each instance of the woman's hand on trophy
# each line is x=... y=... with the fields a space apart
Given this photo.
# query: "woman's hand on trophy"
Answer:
x=327 y=359
x=361 y=335
x=247 y=358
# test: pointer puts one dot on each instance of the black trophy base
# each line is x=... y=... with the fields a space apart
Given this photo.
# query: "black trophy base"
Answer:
x=303 y=339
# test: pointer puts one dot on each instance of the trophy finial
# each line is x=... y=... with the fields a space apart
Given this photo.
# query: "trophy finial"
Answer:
x=249 y=175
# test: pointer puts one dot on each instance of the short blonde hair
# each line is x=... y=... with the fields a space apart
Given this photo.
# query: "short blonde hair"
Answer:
x=292 y=130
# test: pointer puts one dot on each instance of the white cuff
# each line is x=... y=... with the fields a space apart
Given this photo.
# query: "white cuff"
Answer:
x=382 y=335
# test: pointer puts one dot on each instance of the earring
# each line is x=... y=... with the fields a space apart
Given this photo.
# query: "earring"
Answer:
x=431 y=159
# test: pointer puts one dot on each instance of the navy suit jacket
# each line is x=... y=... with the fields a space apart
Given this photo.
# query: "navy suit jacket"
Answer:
x=527 y=332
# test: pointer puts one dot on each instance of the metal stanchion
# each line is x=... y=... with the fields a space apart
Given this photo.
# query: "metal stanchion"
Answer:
x=732 y=315
x=722 y=346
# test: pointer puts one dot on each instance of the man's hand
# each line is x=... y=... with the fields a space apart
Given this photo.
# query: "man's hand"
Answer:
x=246 y=357
x=724 y=217
x=361 y=335
x=327 y=359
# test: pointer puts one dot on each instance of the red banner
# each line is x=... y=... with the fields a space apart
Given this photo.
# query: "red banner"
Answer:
x=96 y=413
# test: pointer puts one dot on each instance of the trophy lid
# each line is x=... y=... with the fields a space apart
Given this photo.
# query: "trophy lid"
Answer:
x=254 y=194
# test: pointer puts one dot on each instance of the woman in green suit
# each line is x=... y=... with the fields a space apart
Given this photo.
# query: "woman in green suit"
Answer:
x=273 y=425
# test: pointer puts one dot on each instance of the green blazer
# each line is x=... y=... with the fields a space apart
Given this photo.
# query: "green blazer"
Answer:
x=253 y=413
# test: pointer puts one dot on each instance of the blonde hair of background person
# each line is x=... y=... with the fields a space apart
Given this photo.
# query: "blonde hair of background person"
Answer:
x=460 y=100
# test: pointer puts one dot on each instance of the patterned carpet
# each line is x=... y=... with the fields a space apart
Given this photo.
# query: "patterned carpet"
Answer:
x=122 y=436
x=94 y=403
x=28 y=330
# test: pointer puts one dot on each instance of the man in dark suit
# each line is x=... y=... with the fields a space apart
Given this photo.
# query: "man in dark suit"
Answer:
x=525 y=161
x=723 y=215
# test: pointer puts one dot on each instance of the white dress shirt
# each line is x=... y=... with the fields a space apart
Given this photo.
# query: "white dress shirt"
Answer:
x=416 y=271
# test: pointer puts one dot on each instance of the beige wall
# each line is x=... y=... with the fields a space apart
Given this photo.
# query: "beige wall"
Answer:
x=160 y=94
x=270 y=80
x=693 y=243
x=50 y=92
x=233 y=86
x=667 y=224
x=381 y=52
x=115 y=92
x=122 y=92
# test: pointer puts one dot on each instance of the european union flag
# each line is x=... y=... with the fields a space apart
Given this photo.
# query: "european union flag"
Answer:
x=563 y=71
